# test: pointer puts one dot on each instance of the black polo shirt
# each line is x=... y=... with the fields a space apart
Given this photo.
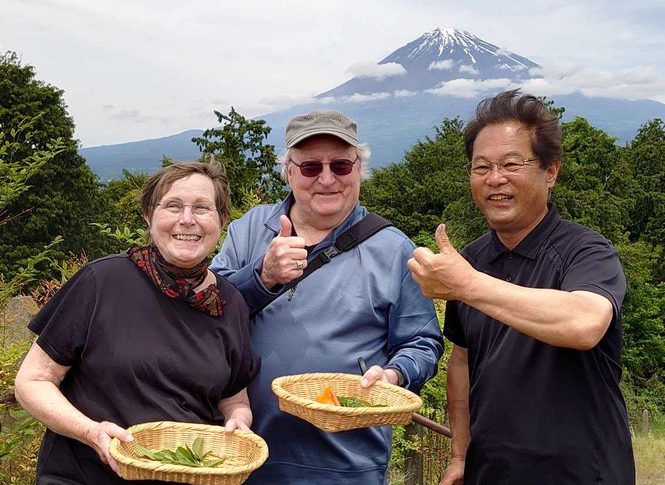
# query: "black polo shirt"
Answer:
x=542 y=414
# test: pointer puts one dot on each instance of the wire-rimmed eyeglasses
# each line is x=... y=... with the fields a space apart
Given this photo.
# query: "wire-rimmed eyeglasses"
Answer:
x=175 y=207
x=512 y=164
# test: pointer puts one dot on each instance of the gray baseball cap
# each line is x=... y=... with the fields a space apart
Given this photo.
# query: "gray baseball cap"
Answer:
x=321 y=122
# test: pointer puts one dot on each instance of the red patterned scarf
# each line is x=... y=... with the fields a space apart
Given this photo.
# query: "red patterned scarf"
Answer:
x=177 y=282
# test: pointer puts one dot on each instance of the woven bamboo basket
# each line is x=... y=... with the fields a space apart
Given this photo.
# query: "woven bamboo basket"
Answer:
x=244 y=452
x=296 y=396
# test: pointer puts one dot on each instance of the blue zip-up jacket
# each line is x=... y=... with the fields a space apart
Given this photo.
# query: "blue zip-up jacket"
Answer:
x=363 y=303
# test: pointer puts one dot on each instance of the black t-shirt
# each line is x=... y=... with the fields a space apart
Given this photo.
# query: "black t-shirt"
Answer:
x=542 y=414
x=137 y=356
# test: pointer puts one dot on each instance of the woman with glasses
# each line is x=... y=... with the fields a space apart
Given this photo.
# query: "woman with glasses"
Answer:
x=148 y=335
x=363 y=303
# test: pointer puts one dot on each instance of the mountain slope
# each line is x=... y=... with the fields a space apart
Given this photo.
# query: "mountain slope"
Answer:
x=108 y=161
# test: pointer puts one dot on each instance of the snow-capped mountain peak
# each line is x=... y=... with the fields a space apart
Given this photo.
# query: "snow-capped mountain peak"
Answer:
x=440 y=55
x=460 y=47
x=442 y=37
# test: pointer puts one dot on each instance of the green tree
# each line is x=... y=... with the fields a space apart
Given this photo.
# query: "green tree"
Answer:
x=15 y=173
x=415 y=193
x=643 y=312
x=122 y=222
x=591 y=187
x=63 y=198
x=645 y=154
x=239 y=145
x=558 y=112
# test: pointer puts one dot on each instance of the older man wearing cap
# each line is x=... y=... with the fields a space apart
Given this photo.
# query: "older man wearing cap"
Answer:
x=363 y=303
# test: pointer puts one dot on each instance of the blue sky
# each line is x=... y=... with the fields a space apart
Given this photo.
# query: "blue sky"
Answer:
x=135 y=69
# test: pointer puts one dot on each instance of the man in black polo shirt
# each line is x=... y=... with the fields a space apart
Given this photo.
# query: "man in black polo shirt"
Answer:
x=534 y=315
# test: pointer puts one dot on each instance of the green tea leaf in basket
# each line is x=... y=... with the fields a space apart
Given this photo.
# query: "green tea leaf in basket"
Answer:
x=197 y=446
x=183 y=455
x=189 y=453
x=170 y=455
x=356 y=402
x=215 y=463
x=153 y=455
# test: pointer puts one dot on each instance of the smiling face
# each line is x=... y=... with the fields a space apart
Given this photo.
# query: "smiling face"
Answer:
x=513 y=203
x=186 y=239
x=323 y=201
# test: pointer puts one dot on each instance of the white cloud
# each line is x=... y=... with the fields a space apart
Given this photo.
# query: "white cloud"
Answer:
x=641 y=82
x=557 y=69
x=361 y=98
x=129 y=115
x=286 y=101
x=466 y=69
x=633 y=83
x=639 y=75
x=470 y=88
x=545 y=87
x=376 y=71
x=404 y=93
x=446 y=65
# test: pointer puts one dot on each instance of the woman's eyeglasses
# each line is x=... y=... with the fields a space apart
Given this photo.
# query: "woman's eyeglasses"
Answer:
x=313 y=168
x=176 y=208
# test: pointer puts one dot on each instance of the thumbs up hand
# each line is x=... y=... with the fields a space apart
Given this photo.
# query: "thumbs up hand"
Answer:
x=286 y=257
x=446 y=275
x=442 y=239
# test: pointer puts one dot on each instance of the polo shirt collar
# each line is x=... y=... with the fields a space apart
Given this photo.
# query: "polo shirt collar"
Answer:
x=529 y=246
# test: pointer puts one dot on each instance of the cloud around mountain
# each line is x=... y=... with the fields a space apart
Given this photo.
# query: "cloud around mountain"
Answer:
x=454 y=62
x=376 y=71
x=448 y=61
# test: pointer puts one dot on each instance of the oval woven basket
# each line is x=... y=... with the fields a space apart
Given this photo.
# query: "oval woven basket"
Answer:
x=296 y=395
x=244 y=452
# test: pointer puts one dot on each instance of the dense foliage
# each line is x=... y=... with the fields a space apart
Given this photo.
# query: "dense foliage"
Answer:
x=63 y=197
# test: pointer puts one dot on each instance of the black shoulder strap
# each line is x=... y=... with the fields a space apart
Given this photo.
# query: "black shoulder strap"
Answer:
x=360 y=231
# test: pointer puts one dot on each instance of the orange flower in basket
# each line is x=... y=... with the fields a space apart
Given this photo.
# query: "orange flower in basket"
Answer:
x=327 y=397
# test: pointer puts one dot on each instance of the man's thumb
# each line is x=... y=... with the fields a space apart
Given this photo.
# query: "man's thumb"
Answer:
x=442 y=238
x=285 y=226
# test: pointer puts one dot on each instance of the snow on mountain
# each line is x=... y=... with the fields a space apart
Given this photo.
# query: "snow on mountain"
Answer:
x=441 y=55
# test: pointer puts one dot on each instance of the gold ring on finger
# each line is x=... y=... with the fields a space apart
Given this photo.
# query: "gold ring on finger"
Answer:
x=299 y=264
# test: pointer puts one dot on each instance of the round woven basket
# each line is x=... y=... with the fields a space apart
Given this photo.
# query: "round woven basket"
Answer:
x=244 y=452
x=296 y=396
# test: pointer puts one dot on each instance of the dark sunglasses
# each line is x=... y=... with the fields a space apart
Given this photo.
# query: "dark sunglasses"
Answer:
x=313 y=168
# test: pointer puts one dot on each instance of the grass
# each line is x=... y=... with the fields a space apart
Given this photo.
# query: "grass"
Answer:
x=649 y=460
x=650 y=454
